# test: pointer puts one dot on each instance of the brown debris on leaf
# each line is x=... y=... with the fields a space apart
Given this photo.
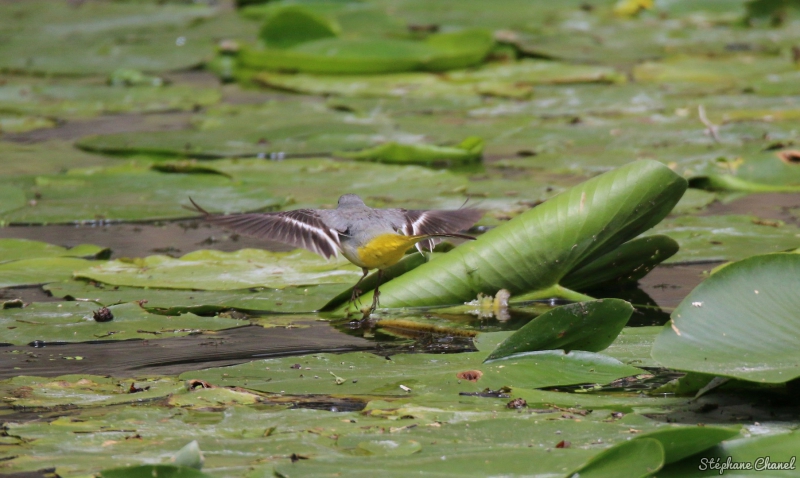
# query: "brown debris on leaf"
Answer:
x=791 y=156
x=471 y=375
x=563 y=444
x=103 y=314
x=517 y=403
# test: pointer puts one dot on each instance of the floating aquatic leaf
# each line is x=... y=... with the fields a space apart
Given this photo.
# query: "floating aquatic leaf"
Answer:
x=467 y=151
x=422 y=374
x=202 y=302
x=74 y=322
x=131 y=192
x=293 y=25
x=590 y=326
x=741 y=322
x=439 y=52
x=215 y=270
x=636 y=458
x=18 y=249
x=536 y=250
x=725 y=238
x=150 y=471
x=40 y=270
x=26 y=392
x=75 y=100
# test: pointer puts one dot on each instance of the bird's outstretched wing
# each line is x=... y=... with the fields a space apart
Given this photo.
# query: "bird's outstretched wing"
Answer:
x=300 y=228
x=419 y=222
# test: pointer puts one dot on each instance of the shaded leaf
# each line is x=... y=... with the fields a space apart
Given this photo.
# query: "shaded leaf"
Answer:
x=590 y=326
x=18 y=249
x=635 y=458
x=467 y=151
x=40 y=270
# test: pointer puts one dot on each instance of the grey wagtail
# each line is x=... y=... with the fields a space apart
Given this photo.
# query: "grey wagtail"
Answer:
x=369 y=238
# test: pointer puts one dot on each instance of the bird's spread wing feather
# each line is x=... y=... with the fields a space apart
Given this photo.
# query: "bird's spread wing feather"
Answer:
x=419 y=222
x=300 y=228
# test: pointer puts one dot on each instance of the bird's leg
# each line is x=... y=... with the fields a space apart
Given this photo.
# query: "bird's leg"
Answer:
x=356 y=291
x=377 y=293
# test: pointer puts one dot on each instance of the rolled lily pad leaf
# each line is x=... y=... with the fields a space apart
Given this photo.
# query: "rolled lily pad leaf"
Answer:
x=216 y=270
x=469 y=150
x=40 y=270
x=741 y=322
x=536 y=250
x=635 y=458
x=173 y=302
x=626 y=264
x=19 y=249
x=779 y=449
x=438 y=52
x=680 y=442
x=726 y=238
x=458 y=50
x=67 y=322
x=590 y=326
x=152 y=471
x=293 y=25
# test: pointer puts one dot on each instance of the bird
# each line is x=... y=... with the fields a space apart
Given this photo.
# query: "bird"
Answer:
x=369 y=238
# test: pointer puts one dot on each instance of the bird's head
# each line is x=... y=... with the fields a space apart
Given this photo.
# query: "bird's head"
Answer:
x=350 y=200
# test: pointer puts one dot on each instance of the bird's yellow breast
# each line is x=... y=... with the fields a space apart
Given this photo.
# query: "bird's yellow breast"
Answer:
x=385 y=250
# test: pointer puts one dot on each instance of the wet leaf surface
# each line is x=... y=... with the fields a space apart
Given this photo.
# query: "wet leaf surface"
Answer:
x=56 y=322
x=215 y=270
x=741 y=322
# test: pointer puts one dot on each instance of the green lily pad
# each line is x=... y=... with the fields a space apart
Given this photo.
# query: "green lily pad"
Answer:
x=203 y=302
x=11 y=198
x=215 y=270
x=46 y=157
x=26 y=392
x=150 y=471
x=635 y=458
x=468 y=151
x=129 y=192
x=40 y=270
x=590 y=326
x=725 y=238
x=16 y=123
x=632 y=346
x=74 y=322
x=19 y=249
x=740 y=323
x=570 y=231
x=754 y=450
x=84 y=100
x=293 y=25
x=422 y=374
x=50 y=37
x=439 y=52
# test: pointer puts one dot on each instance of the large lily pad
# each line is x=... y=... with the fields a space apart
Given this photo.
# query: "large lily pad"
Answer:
x=590 y=326
x=40 y=270
x=741 y=322
x=74 y=322
x=161 y=301
x=439 y=52
x=52 y=37
x=725 y=238
x=18 y=249
x=215 y=270
x=83 y=100
x=130 y=192
x=537 y=249
x=423 y=374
